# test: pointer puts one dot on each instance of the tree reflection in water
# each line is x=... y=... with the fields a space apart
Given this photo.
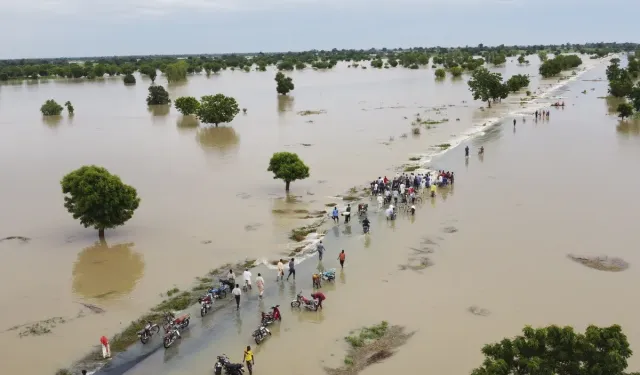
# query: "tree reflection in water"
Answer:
x=218 y=139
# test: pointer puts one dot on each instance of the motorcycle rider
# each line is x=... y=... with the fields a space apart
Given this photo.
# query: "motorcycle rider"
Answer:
x=231 y=280
x=319 y=297
x=365 y=224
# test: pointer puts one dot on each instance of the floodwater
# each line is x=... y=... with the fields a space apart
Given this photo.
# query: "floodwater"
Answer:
x=538 y=194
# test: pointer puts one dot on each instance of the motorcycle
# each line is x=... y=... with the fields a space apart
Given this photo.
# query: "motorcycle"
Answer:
x=221 y=291
x=206 y=304
x=303 y=301
x=260 y=334
x=272 y=316
x=180 y=322
x=329 y=275
x=362 y=209
x=230 y=368
x=148 y=331
x=171 y=336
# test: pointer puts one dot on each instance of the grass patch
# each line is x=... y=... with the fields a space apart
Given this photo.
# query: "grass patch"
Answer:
x=350 y=198
x=309 y=113
x=370 y=345
x=299 y=234
x=171 y=292
x=411 y=168
x=63 y=371
x=330 y=204
x=434 y=122
x=444 y=146
x=414 y=158
x=124 y=339
x=176 y=303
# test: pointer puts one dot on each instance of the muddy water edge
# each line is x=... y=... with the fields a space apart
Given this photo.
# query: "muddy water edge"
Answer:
x=496 y=245
x=178 y=170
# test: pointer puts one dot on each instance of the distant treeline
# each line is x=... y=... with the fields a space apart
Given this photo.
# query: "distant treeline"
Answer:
x=463 y=57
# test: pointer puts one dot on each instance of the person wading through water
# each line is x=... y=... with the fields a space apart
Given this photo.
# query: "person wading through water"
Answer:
x=341 y=258
x=237 y=293
x=292 y=269
x=248 y=359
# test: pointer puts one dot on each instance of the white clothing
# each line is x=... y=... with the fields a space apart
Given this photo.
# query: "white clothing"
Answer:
x=247 y=276
x=260 y=282
x=280 y=269
x=389 y=212
x=106 y=351
x=231 y=276
x=236 y=291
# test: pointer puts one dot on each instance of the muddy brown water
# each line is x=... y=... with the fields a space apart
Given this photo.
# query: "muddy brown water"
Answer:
x=537 y=195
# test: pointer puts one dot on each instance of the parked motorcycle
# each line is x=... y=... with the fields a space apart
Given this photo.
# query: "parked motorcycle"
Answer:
x=180 y=322
x=148 y=331
x=303 y=301
x=272 y=316
x=230 y=368
x=329 y=275
x=260 y=334
x=170 y=336
x=220 y=291
x=206 y=304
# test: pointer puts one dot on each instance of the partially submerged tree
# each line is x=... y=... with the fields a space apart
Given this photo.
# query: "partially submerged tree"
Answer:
x=150 y=72
x=187 y=105
x=129 y=79
x=177 y=71
x=456 y=71
x=69 y=106
x=51 y=108
x=98 y=198
x=521 y=59
x=543 y=56
x=634 y=96
x=554 y=350
x=284 y=84
x=624 y=110
x=487 y=86
x=517 y=82
x=288 y=167
x=440 y=73
x=157 y=95
x=216 y=109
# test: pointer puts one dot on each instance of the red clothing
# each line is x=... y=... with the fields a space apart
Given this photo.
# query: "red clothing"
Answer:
x=386 y=180
x=319 y=296
x=104 y=341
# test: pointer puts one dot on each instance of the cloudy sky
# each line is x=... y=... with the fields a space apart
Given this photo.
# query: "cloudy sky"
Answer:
x=55 y=28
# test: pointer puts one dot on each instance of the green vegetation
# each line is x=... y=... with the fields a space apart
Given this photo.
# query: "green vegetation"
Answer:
x=98 y=198
x=51 y=108
x=176 y=303
x=543 y=56
x=179 y=67
x=216 y=109
x=129 y=79
x=288 y=167
x=367 y=335
x=411 y=168
x=444 y=146
x=158 y=96
x=299 y=234
x=554 y=350
x=187 y=105
x=440 y=73
x=376 y=63
x=284 y=84
x=173 y=291
x=559 y=63
x=70 y=108
x=517 y=82
x=456 y=71
x=487 y=86
x=624 y=110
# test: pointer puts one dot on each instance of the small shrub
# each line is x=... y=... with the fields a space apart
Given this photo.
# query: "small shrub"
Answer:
x=51 y=108
x=129 y=79
x=415 y=131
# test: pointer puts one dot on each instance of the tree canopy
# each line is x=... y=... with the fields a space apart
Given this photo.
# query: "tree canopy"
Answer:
x=440 y=73
x=624 y=110
x=487 y=86
x=284 y=84
x=217 y=109
x=98 y=198
x=157 y=95
x=51 y=108
x=129 y=79
x=70 y=108
x=517 y=82
x=187 y=105
x=287 y=166
x=177 y=71
x=559 y=63
x=554 y=350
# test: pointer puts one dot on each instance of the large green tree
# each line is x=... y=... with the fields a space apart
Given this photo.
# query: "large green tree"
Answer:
x=624 y=110
x=177 y=71
x=486 y=86
x=634 y=96
x=288 y=167
x=98 y=198
x=284 y=84
x=157 y=95
x=187 y=105
x=554 y=350
x=216 y=109
x=51 y=108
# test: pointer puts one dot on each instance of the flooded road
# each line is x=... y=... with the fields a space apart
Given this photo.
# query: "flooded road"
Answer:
x=200 y=184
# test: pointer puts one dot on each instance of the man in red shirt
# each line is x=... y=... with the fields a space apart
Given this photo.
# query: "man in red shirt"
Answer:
x=106 y=350
x=318 y=296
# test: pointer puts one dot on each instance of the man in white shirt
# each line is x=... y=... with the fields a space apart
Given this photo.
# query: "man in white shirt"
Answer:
x=280 y=270
x=389 y=212
x=402 y=186
x=380 y=202
x=237 y=293
x=246 y=275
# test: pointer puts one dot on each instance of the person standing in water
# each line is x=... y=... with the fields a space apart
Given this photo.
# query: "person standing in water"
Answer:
x=292 y=269
x=237 y=293
x=335 y=215
x=341 y=258
x=248 y=359
x=280 y=270
x=514 y=123
x=466 y=151
x=260 y=284
x=320 y=249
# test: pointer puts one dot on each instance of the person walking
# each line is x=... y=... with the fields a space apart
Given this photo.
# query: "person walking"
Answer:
x=237 y=293
x=347 y=214
x=292 y=269
x=341 y=258
x=260 y=284
x=280 y=270
x=248 y=359
x=335 y=215
x=106 y=348
x=246 y=275
x=466 y=151
x=320 y=248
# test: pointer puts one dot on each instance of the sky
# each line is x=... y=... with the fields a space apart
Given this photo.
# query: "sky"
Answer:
x=74 y=28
